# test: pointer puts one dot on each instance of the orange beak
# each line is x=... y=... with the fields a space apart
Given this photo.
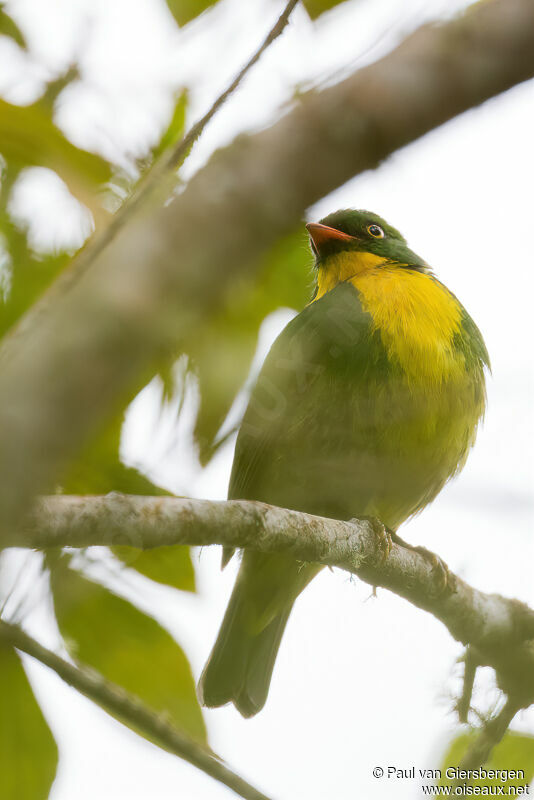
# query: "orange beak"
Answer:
x=321 y=234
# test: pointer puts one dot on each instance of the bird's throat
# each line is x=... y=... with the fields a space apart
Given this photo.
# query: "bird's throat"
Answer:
x=342 y=267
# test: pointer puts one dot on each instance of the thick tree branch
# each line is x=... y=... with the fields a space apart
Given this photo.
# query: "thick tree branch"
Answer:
x=498 y=630
x=66 y=370
x=133 y=711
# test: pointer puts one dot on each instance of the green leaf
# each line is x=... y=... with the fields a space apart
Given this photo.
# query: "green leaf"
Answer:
x=184 y=11
x=175 y=128
x=28 y=137
x=30 y=275
x=171 y=566
x=99 y=470
x=222 y=353
x=126 y=646
x=54 y=88
x=9 y=28
x=28 y=752
x=317 y=7
x=514 y=752
x=29 y=278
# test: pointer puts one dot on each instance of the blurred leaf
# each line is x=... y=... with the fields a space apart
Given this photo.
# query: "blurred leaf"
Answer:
x=9 y=28
x=126 y=646
x=99 y=470
x=515 y=752
x=171 y=566
x=28 y=137
x=54 y=88
x=28 y=752
x=184 y=11
x=30 y=275
x=175 y=128
x=317 y=7
x=222 y=353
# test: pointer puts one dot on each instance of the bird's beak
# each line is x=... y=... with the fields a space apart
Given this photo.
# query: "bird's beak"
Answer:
x=321 y=234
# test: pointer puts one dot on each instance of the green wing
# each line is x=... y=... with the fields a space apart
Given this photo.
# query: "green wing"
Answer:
x=298 y=408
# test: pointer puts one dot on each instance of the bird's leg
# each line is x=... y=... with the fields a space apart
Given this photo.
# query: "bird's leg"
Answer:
x=444 y=577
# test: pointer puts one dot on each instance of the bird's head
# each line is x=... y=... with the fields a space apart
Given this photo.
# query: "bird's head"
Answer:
x=360 y=240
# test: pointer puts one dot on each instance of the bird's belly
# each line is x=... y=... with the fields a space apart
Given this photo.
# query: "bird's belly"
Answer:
x=385 y=453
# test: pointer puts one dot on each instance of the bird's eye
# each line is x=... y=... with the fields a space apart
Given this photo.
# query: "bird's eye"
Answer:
x=376 y=231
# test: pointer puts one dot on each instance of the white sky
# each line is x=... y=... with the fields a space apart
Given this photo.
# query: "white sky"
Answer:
x=358 y=682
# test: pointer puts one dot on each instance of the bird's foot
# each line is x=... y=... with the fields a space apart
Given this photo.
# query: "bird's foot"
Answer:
x=383 y=537
x=445 y=579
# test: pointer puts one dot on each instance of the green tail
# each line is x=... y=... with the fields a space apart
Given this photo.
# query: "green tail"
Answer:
x=240 y=666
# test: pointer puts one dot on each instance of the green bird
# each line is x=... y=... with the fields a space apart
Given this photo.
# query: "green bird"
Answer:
x=367 y=404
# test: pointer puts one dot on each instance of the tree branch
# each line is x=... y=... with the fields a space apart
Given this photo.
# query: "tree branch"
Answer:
x=470 y=668
x=68 y=369
x=489 y=737
x=117 y=701
x=498 y=630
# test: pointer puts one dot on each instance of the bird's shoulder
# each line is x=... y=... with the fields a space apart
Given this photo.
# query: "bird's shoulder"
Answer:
x=330 y=333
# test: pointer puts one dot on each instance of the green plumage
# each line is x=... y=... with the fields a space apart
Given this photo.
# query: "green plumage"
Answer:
x=333 y=429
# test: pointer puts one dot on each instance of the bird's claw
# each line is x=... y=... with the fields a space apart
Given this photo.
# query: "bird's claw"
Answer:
x=444 y=578
x=385 y=543
x=383 y=537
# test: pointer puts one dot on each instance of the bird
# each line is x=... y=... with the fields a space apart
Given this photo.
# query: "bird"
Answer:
x=367 y=403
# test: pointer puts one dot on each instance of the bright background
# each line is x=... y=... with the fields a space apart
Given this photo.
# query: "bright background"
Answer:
x=359 y=681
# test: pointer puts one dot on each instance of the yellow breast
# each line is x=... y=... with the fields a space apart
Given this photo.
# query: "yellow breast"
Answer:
x=416 y=316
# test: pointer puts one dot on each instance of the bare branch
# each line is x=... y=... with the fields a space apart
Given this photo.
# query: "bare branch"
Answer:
x=497 y=629
x=133 y=711
x=65 y=370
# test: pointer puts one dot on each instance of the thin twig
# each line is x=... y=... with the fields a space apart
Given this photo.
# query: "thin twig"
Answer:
x=490 y=736
x=15 y=583
x=129 y=708
x=470 y=668
x=168 y=163
x=176 y=157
